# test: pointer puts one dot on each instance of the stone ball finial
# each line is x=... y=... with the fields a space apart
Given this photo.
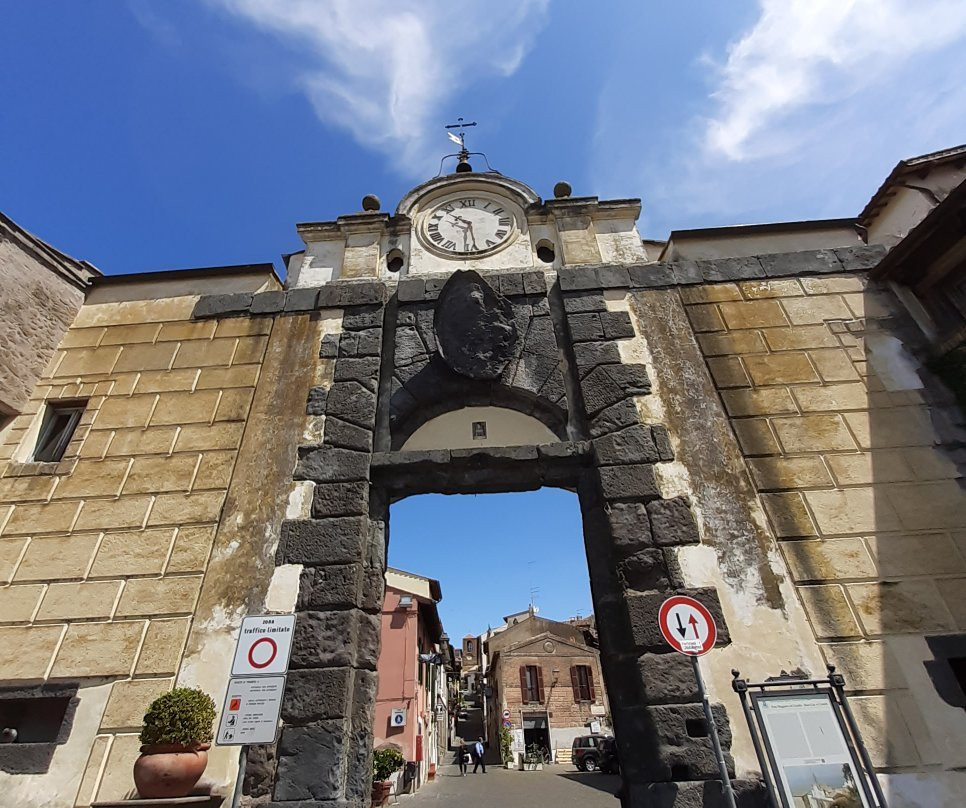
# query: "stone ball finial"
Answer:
x=562 y=190
x=371 y=202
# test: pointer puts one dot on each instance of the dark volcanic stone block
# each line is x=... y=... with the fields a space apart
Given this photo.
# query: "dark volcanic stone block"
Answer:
x=730 y=269
x=631 y=377
x=222 y=305
x=360 y=317
x=576 y=303
x=315 y=542
x=575 y=279
x=329 y=349
x=351 y=293
x=338 y=586
x=268 y=302
x=475 y=329
x=340 y=499
x=631 y=445
x=585 y=327
x=352 y=402
x=411 y=290
x=511 y=283
x=613 y=277
x=629 y=526
x=591 y=354
x=364 y=370
x=857 y=258
x=653 y=275
x=313 y=695
x=806 y=262
x=619 y=416
x=301 y=299
x=629 y=482
x=617 y=324
x=668 y=679
x=335 y=639
x=686 y=272
x=644 y=570
x=316 y=401
x=332 y=465
x=672 y=522
x=534 y=282
x=600 y=391
x=311 y=762
x=662 y=440
x=347 y=436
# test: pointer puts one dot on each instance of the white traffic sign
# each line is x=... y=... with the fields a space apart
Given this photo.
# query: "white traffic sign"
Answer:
x=687 y=625
x=251 y=711
x=506 y=715
x=264 y=645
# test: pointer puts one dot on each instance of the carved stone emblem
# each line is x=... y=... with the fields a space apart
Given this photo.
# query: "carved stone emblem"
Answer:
x=475 y=332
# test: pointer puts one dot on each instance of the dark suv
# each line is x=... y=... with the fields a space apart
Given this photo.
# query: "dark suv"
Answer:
x=587 y=752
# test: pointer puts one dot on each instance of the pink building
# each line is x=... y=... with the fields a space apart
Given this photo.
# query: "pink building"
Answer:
x=411 y=699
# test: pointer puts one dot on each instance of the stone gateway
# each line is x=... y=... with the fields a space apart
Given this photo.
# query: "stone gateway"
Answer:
x=758 y=417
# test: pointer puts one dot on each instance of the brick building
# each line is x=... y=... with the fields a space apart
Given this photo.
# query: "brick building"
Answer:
x=549 y=679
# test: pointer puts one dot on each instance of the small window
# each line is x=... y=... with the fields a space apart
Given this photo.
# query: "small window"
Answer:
x=479 y=430
x=531 y=683
x=60 y=421
x=582 y=679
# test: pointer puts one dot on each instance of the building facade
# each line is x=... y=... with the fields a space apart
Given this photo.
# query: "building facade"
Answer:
x=411 y=695
x=761 y=417
x=550 y=680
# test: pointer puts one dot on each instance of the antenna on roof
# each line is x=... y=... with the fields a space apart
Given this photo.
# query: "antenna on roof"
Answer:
x=463 y=155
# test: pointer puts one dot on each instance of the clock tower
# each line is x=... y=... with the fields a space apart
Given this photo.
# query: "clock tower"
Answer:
x=482 y=221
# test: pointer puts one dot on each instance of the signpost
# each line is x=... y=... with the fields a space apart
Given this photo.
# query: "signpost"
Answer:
x=689 y=629
x=253 y=701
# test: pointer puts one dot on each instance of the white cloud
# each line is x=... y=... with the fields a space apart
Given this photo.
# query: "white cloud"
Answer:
x=805 y=112
x=817 y=52
x=386 y=72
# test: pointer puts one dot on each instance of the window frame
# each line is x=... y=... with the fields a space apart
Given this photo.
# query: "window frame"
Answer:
x=51 y=446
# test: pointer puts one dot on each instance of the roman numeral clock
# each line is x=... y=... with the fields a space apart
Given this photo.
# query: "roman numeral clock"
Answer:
x=468 y=225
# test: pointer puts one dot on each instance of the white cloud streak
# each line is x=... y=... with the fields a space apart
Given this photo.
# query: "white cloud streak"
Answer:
x=816 y=52
x=386 y=72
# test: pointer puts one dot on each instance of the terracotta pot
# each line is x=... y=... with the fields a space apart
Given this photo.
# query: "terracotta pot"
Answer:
x=169 y=770
x=380 y=791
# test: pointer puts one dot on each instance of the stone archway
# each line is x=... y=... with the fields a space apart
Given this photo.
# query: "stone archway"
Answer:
x=557 y=358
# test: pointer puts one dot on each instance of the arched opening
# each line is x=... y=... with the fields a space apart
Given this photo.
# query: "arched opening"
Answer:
x=468 y=427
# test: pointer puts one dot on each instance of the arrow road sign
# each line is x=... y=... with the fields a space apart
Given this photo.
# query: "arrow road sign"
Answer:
x=687 y=625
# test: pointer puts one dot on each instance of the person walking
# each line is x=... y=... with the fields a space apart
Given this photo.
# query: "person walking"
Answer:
x=478 y=756
x=463 y=754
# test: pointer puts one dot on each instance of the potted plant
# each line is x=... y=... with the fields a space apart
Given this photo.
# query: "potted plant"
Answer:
x=533 y=759
x=506 y=748
x=385 y=761
x=175 y=739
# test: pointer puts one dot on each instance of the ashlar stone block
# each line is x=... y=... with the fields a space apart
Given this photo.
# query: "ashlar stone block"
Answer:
x=145 y=597
x=79 y=601
x=131 y=553
x=57 y=558
x=813 y=433
x=18 y=602
x=98 y=649
x=163 y=644
x=895 y=607
x=35 y=647
x=129 y=701
x=192 y=547
x=828 y=560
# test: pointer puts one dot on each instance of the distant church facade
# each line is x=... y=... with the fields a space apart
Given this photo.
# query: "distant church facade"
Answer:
x=767 y=418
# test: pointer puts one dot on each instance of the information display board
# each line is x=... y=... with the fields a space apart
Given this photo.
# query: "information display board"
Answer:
x=251 y=711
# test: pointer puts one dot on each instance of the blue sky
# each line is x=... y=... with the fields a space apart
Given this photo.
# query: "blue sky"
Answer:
x=146 y=135
x=488 y=551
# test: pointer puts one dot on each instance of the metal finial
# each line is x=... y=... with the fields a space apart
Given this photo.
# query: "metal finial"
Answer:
x=463 y=158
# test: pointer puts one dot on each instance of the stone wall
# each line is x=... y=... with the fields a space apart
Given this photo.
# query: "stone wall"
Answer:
x=40 y=292
x=852 y=449
x=125 y=569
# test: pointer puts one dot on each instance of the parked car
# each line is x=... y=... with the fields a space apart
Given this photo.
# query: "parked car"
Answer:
x=586 y=752
x=609 y=761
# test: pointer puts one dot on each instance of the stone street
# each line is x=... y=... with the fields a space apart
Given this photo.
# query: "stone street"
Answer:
x=557 y=786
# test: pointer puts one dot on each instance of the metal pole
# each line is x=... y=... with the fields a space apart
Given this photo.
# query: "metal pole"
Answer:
x=729 y=793
x=838 y=682
x=741 y=688
x=240 y=779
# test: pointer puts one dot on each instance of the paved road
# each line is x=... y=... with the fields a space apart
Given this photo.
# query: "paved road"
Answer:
x=555 y=787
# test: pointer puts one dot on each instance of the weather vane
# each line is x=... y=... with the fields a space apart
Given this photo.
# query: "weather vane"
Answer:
x=463 y=155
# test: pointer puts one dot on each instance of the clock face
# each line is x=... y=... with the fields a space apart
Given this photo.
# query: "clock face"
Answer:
x=468 y=225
